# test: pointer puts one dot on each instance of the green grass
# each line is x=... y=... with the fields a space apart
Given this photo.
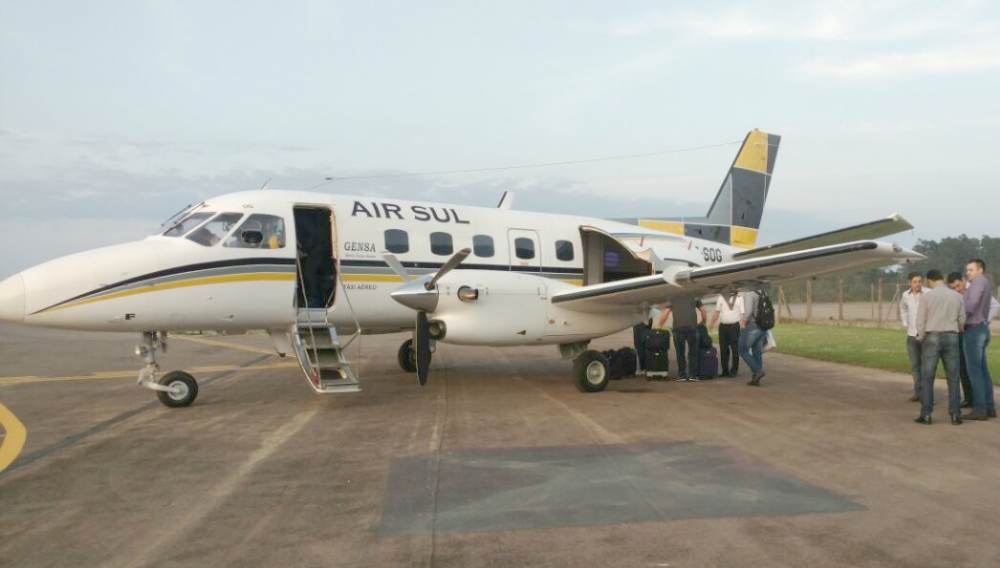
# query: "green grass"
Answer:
x=867 y=347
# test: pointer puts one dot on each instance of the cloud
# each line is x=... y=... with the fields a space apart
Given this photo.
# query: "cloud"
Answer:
x=944 y=61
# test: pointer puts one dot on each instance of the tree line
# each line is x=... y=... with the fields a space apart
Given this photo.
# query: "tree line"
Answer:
x=950 y=254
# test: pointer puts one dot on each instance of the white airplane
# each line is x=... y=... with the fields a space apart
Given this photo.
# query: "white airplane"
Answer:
x=312 y=267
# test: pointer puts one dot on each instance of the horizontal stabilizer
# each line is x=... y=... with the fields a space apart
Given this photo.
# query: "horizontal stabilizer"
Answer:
x=873 y=230
x=749 y=274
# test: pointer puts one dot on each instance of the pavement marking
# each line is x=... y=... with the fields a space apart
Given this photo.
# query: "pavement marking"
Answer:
x=101 y=375
x=208 y=503
x=216 y=343
x=15 y=435
x=100 y=427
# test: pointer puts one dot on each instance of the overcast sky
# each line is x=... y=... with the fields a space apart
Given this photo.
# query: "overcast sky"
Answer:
x=113 y=115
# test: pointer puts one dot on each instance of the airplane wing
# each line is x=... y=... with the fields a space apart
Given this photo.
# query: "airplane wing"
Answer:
x=874 y=230
x=750 y=274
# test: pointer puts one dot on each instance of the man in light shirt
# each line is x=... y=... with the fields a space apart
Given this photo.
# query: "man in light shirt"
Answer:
x=729 y=313
x=940 y=316
x=908 y=315
x=977 y=339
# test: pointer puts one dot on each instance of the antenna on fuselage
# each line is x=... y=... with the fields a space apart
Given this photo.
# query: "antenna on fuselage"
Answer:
x=263 y=187
x=506 y=201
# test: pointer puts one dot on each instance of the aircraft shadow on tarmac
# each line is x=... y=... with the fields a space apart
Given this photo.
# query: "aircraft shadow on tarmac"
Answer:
x=535 y=488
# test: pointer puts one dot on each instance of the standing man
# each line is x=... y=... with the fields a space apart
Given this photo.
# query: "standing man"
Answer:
x=977 y=339
x=752 y=338
x=729 y=314
x=908 y=315
x=957 y=283
x=940 y=316
x=685 y=329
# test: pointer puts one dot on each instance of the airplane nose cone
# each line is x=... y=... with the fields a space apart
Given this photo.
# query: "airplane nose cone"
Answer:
x=12 y=299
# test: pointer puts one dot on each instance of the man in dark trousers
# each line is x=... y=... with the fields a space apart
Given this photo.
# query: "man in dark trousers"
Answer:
x=685 y=329
x=977 y=339
x=956 y=281
x=940 y=316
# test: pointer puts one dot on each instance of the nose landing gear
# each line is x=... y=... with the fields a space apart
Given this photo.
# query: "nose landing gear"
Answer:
x=174 y=389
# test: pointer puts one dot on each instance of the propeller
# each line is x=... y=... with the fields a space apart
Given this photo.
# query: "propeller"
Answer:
x=422 y=295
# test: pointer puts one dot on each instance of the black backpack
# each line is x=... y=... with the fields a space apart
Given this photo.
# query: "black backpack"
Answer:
x=765 y=311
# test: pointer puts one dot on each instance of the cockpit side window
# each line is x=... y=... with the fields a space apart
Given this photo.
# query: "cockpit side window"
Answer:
x=185 y=225
x=271 y=229
x=213 y=231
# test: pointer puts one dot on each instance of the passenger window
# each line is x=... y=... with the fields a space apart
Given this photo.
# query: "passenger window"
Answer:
x=270 y=227
x=397 y=241
x=441 y=244
x=564 y=250
x=213 y=231
x=524 y=248
x=183 y=226
x=482 y=245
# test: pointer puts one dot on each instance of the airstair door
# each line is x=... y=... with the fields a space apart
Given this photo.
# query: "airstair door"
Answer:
x=313 y=336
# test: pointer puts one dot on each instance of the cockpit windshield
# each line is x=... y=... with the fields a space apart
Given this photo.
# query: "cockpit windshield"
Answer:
x=185 y=225
x=213 y=231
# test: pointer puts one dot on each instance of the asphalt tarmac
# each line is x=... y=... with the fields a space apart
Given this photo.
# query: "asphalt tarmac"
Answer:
x=498 y=461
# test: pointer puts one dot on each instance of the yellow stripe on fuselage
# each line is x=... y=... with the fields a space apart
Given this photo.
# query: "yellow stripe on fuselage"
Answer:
x=253 y=277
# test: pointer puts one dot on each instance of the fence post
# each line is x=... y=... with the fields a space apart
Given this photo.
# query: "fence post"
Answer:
x=873 y=300
x=880 y=288
x=809 y=300
x=840 y=298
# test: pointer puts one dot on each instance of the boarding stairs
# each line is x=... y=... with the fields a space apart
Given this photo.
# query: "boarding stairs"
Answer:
x=321 y=354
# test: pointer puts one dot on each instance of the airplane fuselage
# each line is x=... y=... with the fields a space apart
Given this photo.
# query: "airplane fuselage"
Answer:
x=176 y=282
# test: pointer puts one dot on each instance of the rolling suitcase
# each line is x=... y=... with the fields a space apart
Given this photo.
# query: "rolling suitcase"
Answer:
x=658 y=354
x=621 y=362
x=708 y=363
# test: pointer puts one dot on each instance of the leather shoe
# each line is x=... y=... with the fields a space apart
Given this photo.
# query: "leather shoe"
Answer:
x=992 y=413
x=923 y=420
x=914 y=398
x=956 y=419
x=975 y=416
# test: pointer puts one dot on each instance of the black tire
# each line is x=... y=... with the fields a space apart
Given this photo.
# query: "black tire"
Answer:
x=407 y=357
x=185 y=386
x=591 y=372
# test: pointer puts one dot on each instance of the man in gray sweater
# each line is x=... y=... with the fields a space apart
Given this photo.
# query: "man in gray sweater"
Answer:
x=940 y=317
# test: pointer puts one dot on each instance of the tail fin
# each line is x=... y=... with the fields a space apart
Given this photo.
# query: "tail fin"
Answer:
x=735 y=215
x=740 y=201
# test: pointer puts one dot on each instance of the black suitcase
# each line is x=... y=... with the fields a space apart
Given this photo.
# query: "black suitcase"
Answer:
x=658 y=354
x=621 y=362
x=708 y=363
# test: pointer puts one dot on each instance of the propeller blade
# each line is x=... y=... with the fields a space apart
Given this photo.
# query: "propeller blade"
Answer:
x=422 y=344
x=454 y=261
x=396 y=266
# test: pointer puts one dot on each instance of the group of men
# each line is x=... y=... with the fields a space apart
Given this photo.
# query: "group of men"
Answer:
x=740 y=333
x=949 y=322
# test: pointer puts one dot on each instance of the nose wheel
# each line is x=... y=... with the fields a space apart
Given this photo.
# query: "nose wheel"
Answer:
x=175 y=389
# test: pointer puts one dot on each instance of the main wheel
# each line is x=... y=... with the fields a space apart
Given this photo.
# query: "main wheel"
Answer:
x=591 y=372
x=407 y=357
x=183 y=389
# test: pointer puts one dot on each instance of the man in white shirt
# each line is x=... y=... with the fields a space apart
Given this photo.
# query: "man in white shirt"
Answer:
x=908 y=305
x=729 y=313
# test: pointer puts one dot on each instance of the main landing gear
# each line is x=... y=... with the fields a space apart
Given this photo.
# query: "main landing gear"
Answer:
x=591 y=371
x=407 y=356
x=174 y=389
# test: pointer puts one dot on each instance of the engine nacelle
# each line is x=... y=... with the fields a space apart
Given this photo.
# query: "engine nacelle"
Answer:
x=487 y=307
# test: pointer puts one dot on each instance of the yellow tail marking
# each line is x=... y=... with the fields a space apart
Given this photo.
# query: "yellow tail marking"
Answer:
x=673 y=227
x=743 y=237
x=753 y=155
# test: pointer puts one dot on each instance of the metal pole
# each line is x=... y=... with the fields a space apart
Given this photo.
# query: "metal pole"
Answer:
x=880 y=288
